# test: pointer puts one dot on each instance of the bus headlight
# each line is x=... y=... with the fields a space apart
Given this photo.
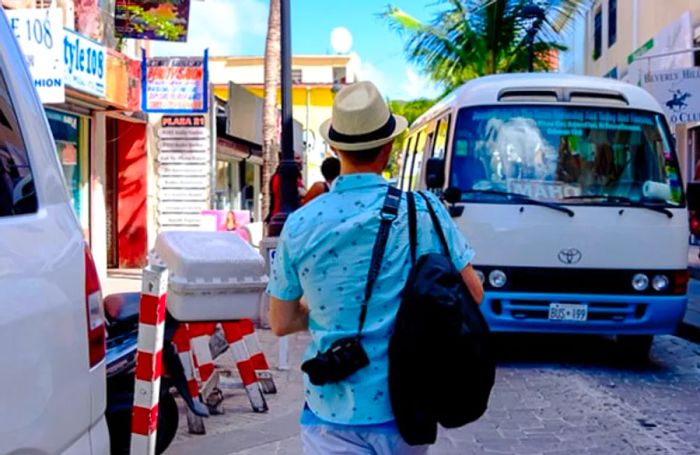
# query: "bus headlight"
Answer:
x=660 y=283
x=481 y=276
x=640 y=282
x=497 y=279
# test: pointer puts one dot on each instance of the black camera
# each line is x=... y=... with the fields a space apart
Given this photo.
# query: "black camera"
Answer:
x=343 y=358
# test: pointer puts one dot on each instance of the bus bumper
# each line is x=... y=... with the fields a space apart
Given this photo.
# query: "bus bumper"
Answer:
x=607 y=314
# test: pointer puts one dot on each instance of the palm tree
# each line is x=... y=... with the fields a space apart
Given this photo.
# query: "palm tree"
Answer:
x=270 y=115
x=472 y=38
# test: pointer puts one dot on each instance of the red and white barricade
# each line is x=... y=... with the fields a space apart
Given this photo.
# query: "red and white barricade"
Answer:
x=149 y=361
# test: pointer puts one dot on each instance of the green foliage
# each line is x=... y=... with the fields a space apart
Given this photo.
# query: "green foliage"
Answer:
x=411 y=110
x=472 y=38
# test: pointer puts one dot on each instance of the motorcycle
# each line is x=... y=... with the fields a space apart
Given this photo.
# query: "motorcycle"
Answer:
x=122 y=314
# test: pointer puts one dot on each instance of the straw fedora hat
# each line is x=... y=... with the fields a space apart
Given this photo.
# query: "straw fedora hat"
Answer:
x=361 y=120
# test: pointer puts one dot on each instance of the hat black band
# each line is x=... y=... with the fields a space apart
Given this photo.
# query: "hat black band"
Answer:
x=382 y=133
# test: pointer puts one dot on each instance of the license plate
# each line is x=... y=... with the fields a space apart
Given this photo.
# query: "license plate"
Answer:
x=568 y=312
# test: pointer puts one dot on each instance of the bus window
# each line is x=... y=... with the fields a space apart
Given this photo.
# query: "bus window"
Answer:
x=423 y=144
x=441 y=138
x=408 y=162
x=404 y=161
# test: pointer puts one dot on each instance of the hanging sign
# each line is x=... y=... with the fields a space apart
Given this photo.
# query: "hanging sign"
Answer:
x=175 y=84
x=184 y=157
x=183 y=195
x=85 y=62
x=183 y=121
x=183 y=133
x=189 y=145
x=678 y=92
x=183 y=182
x=184 y=169
x=164 y=20
x=39 y=33
x=182 y=206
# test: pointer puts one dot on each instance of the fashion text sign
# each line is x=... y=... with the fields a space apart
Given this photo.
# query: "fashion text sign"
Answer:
x=39 y=33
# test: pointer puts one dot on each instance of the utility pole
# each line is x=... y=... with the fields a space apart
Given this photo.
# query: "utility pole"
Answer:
x=288 y=167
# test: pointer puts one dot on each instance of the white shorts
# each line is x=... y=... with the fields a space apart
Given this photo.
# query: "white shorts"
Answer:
x=325 y=440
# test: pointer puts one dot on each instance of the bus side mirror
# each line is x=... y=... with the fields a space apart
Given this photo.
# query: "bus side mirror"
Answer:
x=693 y=196
x=435 y=173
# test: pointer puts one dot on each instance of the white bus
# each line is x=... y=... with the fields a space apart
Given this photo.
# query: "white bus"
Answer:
x=569 y=189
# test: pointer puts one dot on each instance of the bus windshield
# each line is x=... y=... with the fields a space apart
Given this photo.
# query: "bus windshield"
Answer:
x=564 y=154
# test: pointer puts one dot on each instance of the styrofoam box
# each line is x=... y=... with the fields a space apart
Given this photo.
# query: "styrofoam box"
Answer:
x=213 y=276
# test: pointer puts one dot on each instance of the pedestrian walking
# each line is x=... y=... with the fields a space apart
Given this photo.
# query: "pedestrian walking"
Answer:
x=276 y=187
x=330 y=169
x=324 y=255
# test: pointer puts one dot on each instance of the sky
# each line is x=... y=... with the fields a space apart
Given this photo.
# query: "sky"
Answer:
x=238 y=27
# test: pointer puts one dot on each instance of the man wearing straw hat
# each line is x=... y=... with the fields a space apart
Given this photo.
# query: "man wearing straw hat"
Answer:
x=324 y=255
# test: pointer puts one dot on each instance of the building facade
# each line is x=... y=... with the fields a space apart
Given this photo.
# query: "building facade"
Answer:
x=631 y=39
x=315 y=78
x=93 y=111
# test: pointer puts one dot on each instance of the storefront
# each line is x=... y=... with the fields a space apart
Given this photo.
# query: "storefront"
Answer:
x=238 y=174
x=72 y=135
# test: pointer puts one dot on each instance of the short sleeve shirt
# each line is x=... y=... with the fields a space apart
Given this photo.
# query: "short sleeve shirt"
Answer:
x=323 y=254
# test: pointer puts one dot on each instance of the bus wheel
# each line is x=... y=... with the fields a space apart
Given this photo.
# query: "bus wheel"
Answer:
x=635 y=348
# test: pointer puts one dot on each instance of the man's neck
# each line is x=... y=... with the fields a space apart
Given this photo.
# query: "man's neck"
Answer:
x=347 y=169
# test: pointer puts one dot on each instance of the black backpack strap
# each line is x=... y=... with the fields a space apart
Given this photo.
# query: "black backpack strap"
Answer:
x=388 y=214
x=412 y=225
x=436 y=225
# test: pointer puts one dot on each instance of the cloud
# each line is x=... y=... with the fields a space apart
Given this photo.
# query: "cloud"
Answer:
x=226 y=27
x=418 y=86
x=369 y=72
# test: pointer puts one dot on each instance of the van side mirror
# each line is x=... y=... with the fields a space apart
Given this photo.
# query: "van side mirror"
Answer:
x=453 y=195
x=693 y=196
x=435 y=173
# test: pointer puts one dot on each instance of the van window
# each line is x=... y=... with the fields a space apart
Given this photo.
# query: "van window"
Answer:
x=441 y=138
x=17 y=196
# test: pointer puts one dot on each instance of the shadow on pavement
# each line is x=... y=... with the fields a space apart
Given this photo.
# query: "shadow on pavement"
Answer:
x=582 y=351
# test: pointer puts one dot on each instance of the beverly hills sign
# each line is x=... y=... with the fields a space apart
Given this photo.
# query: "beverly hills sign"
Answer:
x=678 y=92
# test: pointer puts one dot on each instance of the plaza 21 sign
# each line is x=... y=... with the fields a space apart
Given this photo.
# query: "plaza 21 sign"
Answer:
x=85 y=62
x=39 y=33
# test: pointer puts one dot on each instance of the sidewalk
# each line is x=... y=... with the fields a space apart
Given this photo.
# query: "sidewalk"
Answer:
x=690 y=328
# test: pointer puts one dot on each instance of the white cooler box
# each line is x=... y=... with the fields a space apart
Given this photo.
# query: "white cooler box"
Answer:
x=213 y=276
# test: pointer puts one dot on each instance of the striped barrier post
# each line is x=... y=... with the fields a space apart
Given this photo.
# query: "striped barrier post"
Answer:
x=199 y=337
x=234 y=336
x=181 y=339
x=257 y=357
x=149 y=360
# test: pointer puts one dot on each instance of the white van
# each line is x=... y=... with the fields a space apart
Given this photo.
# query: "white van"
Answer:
x=570 y=191
x=52 y=333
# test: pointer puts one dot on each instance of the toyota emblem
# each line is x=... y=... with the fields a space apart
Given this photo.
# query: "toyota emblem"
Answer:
x=570 y=256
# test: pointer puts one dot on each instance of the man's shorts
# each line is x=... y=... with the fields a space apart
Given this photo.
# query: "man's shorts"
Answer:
x=327 y=440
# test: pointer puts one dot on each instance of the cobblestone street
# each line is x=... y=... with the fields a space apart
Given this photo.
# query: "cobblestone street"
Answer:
x=554 y=395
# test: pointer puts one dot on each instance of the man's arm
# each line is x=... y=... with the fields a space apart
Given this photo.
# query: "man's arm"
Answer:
x=316 y=189
x=471 y=279
x=288 y=316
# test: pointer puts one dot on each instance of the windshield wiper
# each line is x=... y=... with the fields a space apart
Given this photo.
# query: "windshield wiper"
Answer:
x=624 y=200
x=523 y=199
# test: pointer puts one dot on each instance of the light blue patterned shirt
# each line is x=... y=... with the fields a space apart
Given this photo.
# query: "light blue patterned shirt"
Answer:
x=323 y=254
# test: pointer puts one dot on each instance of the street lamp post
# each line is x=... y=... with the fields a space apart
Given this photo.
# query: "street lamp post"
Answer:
x=288 y=168
x=535 y=14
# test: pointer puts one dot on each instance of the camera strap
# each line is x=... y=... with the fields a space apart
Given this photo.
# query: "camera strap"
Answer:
x=388 y=214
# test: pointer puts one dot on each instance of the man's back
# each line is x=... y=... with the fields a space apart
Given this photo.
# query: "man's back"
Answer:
x=325 y=250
